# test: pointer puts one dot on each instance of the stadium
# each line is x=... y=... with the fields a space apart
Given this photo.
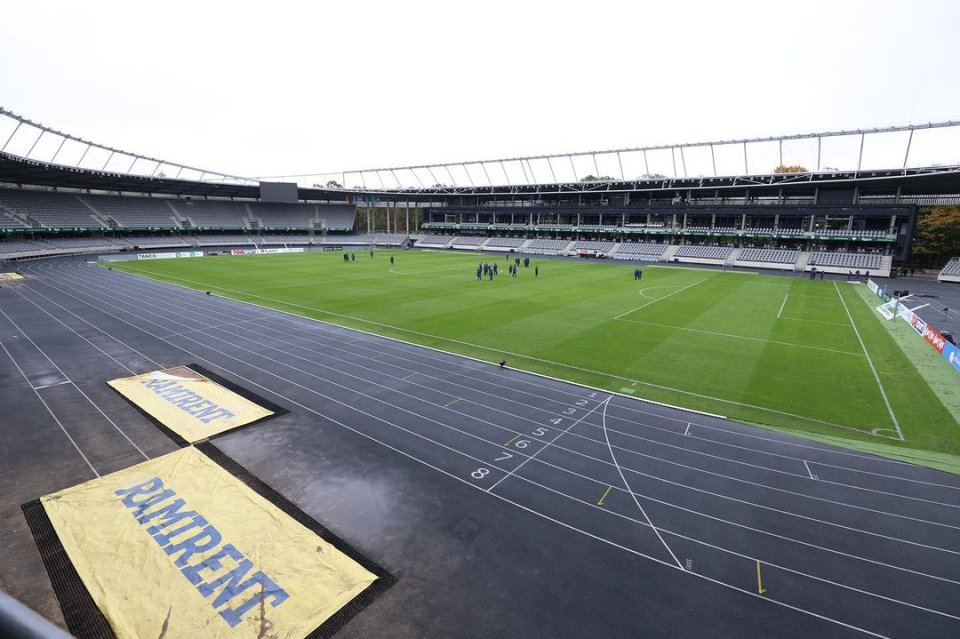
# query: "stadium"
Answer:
x=637 y=387
x=441 y=320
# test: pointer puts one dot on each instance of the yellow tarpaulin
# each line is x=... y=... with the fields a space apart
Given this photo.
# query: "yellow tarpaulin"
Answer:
x=188 y=403
x=179 y=547
x=10 y=276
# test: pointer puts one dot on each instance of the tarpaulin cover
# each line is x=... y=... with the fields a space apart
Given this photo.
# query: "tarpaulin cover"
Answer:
x=179 y=547
x=188 y=403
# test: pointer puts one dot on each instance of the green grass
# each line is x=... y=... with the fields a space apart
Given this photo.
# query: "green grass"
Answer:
x=770 y=350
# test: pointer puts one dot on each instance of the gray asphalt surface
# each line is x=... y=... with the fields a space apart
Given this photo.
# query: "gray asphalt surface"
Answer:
x=505 y=503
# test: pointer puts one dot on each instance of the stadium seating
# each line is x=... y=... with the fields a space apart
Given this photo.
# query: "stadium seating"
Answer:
x=134 y=212
x=287 y=216
x=149 y=240
x=704 y=252
x=9 y=222
x=600 y=247
x=434 y=240
x=506 y=242
x=952 y=268
x=852 y=233
x=17 y=248
x=776 y=256
x=51 y=210
x=213 y=213
x=546 y=247
x=468 y=242
x=858 y=261
x=293 y=238
x=639 y=250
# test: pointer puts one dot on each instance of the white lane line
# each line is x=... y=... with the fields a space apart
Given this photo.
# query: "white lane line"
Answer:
x=547 y=488
x=235 y=345
x=95 y=327
x=809 y=472
x=687 y=430
x=225 y=324
x=660 y=299
x=780 y=312
x=79 y=390
x=66 y=381
x=69 y=328
x=545 y=446
x=623 y=478
x=873 y=369
x=49 y=410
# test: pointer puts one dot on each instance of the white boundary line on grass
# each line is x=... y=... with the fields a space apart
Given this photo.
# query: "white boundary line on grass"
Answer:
x=873 y=369
x=660 y=299
x=780 y=312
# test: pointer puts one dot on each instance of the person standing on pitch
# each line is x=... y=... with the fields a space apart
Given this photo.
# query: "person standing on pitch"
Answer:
x=391 y=260
x=536 y=271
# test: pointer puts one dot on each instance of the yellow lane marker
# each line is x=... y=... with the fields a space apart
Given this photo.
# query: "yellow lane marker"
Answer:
x=760 y=588
x=605 y=493
x=512 y=440
x=449 y=404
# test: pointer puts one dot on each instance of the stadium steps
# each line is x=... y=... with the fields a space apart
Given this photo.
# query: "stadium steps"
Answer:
x=23 y=218
x=566 y=250
x=668 y=255
x=801 y=264
x=733 y=257
x=524 y=246
x=613 y=251
x=102 y=220
x=176 y=217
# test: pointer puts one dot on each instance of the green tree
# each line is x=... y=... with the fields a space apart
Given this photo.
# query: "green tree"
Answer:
x=594 y=178
x=333 y=184
x=790 y=168
x=937 y=237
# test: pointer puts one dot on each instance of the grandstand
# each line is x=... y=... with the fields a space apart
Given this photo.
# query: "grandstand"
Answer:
x=950 y=271
x=848 y=261
x=692 y=252
x=546 y=247
x=639 y=250
x=767 y=257
x=468 y=242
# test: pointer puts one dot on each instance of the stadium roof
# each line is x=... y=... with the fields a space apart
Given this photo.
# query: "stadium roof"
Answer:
x=48 y=158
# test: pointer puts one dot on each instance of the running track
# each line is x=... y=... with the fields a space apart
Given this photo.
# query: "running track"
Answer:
x=840 y=543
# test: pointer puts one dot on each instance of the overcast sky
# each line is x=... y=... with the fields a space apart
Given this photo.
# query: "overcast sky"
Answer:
x=280 y=87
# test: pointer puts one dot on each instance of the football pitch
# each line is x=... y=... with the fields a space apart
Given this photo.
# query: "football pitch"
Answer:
x=779 y=351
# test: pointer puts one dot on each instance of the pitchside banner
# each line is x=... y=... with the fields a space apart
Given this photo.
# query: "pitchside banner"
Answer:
x=188 y=403
x=179 y=547
x=266 y=251
x=166 y=256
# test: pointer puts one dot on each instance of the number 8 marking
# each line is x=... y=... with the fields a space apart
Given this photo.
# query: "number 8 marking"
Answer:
x=480 y=473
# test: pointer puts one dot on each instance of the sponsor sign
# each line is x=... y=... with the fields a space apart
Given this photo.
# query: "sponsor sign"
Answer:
x=952 y=354
x=918 y=324
x=934 y=338
x=179 y=547
x=166 y=256
x=188 y=403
